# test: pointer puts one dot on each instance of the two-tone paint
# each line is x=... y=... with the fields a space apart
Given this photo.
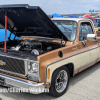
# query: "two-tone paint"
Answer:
x=80 y=56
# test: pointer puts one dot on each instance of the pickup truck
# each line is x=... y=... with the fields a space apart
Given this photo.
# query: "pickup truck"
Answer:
x=48 y=51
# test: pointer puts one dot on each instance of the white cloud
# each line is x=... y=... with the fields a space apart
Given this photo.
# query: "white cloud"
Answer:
x=59 y=6
x=84 y=2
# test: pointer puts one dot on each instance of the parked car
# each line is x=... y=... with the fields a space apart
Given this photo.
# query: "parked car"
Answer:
x=2 y=35
x=96 y=22
x=49 y=52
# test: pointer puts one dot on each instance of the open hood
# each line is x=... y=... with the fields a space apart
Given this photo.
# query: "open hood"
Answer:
x=25 y=20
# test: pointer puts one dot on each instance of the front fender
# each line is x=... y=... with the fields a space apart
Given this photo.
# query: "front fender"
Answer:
x=53 y=66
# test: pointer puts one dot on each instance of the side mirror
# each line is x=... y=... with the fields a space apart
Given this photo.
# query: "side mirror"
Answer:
x=91 y=37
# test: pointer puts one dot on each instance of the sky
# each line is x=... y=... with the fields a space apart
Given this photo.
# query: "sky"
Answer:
x=59 y=6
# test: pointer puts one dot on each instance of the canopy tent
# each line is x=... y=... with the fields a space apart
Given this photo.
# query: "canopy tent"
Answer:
x=88 y=16
x=55 y=15
x=73 y=16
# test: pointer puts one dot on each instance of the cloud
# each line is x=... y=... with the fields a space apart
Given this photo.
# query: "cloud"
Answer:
x=84 y=2
x=59 y=6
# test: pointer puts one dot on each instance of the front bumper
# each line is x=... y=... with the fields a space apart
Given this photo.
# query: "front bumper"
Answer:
x=36 y=88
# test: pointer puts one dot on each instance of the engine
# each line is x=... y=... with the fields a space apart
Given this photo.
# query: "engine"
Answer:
x=34 y=47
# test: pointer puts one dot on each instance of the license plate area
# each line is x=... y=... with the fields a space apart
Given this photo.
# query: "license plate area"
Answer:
x=2 y=81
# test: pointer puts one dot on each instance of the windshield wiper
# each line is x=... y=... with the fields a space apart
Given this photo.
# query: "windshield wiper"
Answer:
x=64 y=28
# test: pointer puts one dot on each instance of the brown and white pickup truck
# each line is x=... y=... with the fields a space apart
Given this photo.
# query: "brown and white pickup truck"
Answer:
x=48 y=51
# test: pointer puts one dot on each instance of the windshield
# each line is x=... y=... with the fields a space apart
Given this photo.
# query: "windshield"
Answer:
x=67 y=27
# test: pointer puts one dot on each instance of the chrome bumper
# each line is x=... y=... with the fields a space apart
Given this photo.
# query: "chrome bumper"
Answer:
x=17 y=83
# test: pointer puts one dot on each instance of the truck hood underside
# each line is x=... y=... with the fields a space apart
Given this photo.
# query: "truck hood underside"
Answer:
x=25 y=20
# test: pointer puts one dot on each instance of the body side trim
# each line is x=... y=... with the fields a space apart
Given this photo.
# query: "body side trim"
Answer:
x=70 y=62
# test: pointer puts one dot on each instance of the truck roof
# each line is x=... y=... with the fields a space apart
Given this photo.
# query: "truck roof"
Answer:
x=74 y=19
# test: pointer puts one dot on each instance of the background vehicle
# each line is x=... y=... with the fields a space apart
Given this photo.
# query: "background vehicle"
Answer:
x=96 y=22
x=2 y=35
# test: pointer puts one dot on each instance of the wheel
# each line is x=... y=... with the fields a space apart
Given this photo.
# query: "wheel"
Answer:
x=60 y=81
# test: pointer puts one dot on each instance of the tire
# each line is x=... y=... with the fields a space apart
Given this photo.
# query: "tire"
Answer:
x=58 y=84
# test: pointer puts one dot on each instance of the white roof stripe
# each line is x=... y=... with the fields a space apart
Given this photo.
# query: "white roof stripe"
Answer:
x=74 y=19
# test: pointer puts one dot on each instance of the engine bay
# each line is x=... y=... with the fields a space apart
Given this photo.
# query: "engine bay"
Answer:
x=32 y=47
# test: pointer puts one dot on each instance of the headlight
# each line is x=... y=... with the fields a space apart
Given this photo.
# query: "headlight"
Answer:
x=33 y=67
x=33 y=71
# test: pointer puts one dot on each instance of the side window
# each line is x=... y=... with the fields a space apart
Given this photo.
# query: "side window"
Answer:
x=85 y=28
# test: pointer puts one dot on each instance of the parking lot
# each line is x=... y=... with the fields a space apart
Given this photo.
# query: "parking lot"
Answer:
x=83 y=86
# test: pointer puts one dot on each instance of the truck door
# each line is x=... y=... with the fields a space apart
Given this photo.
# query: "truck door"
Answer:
x=89 y=49
x=98 y=35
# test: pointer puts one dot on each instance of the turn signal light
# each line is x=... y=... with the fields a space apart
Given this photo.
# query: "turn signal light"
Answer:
x=96 y=29
x=48 y=73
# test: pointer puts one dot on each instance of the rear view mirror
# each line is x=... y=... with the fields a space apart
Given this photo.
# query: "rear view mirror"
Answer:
x=91 y=37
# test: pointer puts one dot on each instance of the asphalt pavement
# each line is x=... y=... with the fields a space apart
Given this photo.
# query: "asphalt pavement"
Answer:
x=83 y=86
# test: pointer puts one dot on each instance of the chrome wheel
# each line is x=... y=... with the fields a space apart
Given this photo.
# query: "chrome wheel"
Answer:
x=61 y=81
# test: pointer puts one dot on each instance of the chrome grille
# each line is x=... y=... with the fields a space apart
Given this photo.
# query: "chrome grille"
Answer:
x=12 y=65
